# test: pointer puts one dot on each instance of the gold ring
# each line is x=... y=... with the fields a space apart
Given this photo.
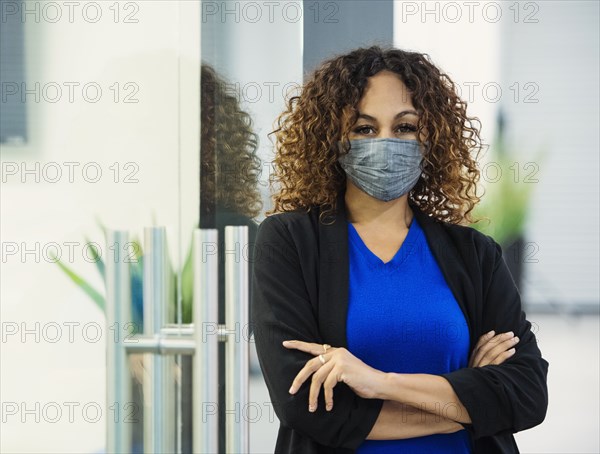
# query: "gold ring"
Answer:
x=322 y=359
x=326 y=346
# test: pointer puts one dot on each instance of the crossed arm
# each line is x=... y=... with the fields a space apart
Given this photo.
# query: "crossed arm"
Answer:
x=398 y=421
x=423 y=405
x=414 y=404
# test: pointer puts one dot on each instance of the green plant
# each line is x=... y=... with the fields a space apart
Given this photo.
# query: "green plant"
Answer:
x=507 y=197
x=136 y=273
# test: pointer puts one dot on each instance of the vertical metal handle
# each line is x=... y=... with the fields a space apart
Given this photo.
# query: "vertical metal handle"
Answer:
x=118 y=316
x=236 y=318
x=206 y=330
x=159 y=428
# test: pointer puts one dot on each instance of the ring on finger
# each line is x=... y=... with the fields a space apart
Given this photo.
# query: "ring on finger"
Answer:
x=322 y=358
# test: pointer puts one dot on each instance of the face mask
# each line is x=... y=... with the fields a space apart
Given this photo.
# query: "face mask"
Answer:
x=384 y=168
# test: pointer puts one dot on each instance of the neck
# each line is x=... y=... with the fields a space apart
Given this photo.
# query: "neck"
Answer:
x=365 y=210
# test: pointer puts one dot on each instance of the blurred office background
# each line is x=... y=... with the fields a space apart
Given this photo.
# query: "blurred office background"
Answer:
x=115 y=88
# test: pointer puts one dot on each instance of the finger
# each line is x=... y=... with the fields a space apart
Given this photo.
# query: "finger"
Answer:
x=309 y=368
x=315 y=387
x=328 y=385
x=502 y=348
x=482 y=340
x=501 y=345
x=503 y=356
x=498 y=346
x=299 y=345
x=480 y=354
x=308 y=347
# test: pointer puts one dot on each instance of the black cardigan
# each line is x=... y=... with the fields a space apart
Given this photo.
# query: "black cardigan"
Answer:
x=299 y=288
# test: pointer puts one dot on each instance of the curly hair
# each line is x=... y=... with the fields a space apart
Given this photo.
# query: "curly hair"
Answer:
x=230 y=166
x=323 y=112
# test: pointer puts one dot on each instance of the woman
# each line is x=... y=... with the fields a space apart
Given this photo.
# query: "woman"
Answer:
x=373 y=305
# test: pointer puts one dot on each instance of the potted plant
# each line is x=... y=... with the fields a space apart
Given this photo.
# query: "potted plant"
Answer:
x=506 y=203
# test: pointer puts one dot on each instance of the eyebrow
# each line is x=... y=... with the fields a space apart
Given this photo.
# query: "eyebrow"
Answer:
x=398 y=115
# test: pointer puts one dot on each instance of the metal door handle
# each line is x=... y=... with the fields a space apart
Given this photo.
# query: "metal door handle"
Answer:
x=236 y=318
x=206 y=359
x=159 y=417
x=118 y=317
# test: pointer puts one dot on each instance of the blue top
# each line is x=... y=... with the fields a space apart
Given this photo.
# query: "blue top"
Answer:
x=403 y=318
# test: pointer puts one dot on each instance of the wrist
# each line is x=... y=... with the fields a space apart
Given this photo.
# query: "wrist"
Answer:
x=389 y=383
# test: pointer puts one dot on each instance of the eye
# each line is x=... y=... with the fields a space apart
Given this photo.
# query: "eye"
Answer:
x=407 y=128
x=363 y=129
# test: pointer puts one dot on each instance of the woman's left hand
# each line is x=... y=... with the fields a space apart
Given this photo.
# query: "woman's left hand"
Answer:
x=340 y=366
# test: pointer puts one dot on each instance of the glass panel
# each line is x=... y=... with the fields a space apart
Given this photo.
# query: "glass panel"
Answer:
x=250 y=61
x=111 y=103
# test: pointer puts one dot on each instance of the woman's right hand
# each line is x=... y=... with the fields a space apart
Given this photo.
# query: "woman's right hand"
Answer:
x=493 y=349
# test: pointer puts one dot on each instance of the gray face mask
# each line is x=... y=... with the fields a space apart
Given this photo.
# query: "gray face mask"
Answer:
x=384 y=168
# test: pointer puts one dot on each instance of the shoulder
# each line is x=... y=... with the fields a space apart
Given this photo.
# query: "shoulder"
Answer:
x=468 y=240
x=293 y=223
x=290 y=233
x=287 y=239
x=469 y=233
x=285 y=218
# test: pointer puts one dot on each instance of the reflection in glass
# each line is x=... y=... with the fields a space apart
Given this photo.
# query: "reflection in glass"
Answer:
x=229 y=195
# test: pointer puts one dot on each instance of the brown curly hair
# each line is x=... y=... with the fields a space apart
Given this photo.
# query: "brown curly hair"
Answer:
x=305 y=162
x=230 y=167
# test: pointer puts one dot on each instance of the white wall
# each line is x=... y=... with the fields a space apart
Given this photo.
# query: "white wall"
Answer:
x=462 y=43
x=160 y=55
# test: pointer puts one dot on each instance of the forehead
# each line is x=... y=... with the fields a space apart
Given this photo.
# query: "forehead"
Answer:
x=385 y=91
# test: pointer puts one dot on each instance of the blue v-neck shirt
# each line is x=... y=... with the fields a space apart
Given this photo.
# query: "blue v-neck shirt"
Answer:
x=402 y=317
